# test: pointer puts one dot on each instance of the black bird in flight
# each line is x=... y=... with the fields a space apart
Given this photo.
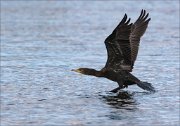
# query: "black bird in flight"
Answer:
x=122 y=48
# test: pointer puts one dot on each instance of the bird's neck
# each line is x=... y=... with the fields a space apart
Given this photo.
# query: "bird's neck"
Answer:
x=93 y=72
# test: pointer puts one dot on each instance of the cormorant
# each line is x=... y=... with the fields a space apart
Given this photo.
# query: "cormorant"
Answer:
x=122 y=49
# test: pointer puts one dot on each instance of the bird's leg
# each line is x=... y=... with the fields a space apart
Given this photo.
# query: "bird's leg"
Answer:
x=121 y=86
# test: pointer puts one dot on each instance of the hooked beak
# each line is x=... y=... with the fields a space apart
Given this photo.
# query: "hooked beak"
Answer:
x=76 y=70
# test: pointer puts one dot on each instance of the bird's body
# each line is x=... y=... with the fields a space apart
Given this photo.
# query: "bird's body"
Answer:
x=122 y=48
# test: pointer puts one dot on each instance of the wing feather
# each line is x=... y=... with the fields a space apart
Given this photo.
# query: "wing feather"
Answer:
x=123 y=43
x=118 y=45
x=137 y=31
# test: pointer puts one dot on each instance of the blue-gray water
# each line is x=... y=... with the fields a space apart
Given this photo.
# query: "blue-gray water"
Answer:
x=41 y=41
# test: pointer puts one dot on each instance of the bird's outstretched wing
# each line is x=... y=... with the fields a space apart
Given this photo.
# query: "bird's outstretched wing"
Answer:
x=123 y=43
x=137 y=30
x=118 y=46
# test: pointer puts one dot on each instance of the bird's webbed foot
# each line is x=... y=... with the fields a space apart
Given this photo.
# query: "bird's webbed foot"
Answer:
x=117 y=89
x=125 y=86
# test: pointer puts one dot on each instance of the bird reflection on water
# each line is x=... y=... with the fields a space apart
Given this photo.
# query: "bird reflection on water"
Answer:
x=123 y=104
x=122 y=100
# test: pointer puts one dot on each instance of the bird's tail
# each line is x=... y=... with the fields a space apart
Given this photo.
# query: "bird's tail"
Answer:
x=146 y=86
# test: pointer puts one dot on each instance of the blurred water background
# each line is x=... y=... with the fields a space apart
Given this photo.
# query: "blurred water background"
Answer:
x=41 y=41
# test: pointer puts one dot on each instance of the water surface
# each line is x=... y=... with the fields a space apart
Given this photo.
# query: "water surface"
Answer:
x=41 y=41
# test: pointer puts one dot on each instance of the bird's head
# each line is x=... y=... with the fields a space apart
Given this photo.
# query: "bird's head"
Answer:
x=80 y=70
x=86 y=71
